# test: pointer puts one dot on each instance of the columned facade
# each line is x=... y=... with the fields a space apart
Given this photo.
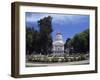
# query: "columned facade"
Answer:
x=58 y=45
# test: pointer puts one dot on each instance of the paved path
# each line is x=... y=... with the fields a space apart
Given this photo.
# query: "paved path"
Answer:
x=56 y=64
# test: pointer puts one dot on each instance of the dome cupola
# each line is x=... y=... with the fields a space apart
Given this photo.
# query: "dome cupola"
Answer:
x=58 y=37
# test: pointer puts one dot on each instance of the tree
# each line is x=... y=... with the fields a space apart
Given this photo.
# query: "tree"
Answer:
x=29 y=40
x=66 y=45
x=40 y=41
x=45 y=26
x=35 y=43
x=80 y=41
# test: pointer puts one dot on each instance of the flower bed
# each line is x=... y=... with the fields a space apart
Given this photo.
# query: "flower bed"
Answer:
x=45 y=58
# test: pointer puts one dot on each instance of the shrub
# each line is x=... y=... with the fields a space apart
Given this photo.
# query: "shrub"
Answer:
x=55 y=59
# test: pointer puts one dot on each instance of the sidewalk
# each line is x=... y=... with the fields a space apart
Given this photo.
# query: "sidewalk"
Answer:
x=38 y=64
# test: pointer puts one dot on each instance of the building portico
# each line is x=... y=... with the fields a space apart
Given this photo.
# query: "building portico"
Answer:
x=58 y=45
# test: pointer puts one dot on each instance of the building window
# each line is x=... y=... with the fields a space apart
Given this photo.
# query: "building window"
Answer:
x=58 y=49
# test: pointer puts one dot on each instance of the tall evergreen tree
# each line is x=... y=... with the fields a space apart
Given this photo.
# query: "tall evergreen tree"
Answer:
x=45 y=26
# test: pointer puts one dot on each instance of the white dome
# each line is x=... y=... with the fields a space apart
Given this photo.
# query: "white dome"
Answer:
x=58 y=39
x=58 y=45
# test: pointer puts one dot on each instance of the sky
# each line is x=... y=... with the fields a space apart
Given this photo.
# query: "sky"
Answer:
x=67 y=24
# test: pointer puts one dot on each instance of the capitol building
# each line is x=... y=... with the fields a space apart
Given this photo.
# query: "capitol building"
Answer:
x=58 y=45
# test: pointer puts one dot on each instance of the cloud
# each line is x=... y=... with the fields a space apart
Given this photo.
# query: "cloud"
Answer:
x=67 y=24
